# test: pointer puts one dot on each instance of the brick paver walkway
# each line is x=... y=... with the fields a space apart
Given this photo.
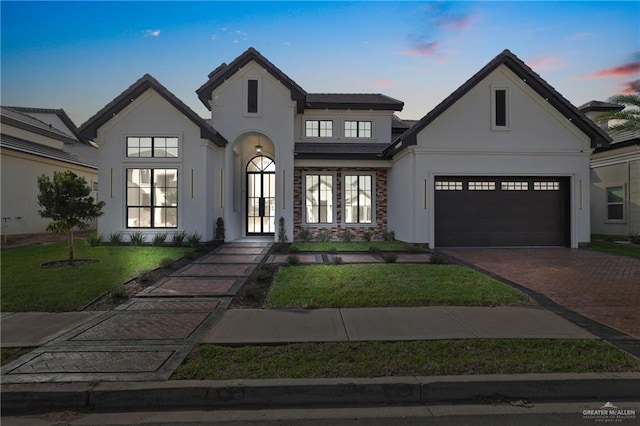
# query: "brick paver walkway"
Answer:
x=600 y=286
x=147 y=337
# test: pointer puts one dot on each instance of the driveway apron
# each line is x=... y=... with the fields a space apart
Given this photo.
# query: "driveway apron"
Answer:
x=150 y=335
x=603 y=287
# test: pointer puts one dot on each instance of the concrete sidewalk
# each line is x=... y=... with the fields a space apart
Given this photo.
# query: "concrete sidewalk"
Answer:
x=263 y=326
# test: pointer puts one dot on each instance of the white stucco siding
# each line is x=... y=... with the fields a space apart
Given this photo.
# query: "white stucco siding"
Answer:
x=602 y=178
x=151 y=115
x=539 y=142
x=274 y=123
x=634 y=196
x=20 y=172
x=380 y=124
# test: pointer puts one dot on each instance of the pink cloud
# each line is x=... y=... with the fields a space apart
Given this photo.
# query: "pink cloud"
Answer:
x=456 y=23
x=423 y=49
x=619 y=71
x=385 y=83
x=546 y=63
x=630 y=87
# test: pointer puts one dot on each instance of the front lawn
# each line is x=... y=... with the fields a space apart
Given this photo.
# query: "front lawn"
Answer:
x=28 y=287
x=356 y=246
x=415 y=358
x=357 y=285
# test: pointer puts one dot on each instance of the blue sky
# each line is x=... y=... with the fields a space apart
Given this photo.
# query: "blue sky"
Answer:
x=80 y=55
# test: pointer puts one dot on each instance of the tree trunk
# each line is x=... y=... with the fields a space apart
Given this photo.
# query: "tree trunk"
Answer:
x=70 y=246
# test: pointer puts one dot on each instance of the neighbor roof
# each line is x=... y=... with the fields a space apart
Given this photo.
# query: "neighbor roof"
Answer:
x=599 y=106
x=13 y=116
x=62 y=115
x=75 y=154
x=146 y=82
x=598 y=137
x=224 y=71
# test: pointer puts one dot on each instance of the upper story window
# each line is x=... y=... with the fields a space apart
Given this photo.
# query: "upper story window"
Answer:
x=500 y=108
x=318 y=128
x=152 y=146
x=615 y=203
x=252 y=102
x=357 y=129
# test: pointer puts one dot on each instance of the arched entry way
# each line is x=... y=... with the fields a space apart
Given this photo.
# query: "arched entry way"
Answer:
x=261 y=196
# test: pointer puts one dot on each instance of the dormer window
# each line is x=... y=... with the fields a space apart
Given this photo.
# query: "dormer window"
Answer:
x=357 y=129
x=500 y=108
x=318 y=128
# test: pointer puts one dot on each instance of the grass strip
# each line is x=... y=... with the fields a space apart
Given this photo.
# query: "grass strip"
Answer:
x=614 y=248
x=28 y=287
x=8 y=355
x=411 y=358
x=339 y=246
x=375 y=285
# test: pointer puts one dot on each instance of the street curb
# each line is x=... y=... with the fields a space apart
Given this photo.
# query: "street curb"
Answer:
x=20 y=399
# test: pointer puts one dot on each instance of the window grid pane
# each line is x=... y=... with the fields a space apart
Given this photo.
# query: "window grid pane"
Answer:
x=514 y=186
x=615 y=203
x=448 y=185
x=319 y=198
x=148 y=147
x=152 y=198
x=546 y=186
x=358 y=199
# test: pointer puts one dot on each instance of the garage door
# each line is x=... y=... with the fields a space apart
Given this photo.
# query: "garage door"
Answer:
x=501 y=211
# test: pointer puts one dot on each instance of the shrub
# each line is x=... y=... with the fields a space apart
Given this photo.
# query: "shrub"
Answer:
x=94 y=239
x=634 y=238
x=219 y=229
x=337 y=260
x=194 y=239
x=137 y=238
x=388 y=236
x=346 y=236
x=390 y=257
x=306 y=235
x=293 y=249
x=118 y=293
x=178 y=238
x=293 y=260
x=374 y=249
x=282 y=231
x=160 y=239
x=332 y=250
x=116 y=239
x=281 y=247
x=145 y=275
x=263 y=273
x=324 y=236
x=166 y=262
x=367 y=235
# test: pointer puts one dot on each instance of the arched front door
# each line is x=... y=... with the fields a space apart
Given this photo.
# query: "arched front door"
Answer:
x=261 y=196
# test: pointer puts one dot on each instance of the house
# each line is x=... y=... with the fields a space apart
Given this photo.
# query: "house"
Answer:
x=502 y=161
x=33 y=142
x=615 y=178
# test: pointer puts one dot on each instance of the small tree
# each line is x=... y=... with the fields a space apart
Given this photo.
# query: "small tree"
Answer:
x=66 y=201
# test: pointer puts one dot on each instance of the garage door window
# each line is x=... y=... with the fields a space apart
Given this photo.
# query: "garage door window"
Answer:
x=514 y=186
x=546 y=186
x=615 y=203
x=448 y=185
x=482 y=186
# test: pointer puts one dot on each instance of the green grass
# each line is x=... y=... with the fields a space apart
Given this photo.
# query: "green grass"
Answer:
x=357 y=285
x=415 y=358
x=8 y=355
x=28 y=287
x=614 y=248
x=356 y=246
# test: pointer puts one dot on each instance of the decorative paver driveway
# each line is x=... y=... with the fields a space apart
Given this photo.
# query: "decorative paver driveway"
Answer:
x=600 y=286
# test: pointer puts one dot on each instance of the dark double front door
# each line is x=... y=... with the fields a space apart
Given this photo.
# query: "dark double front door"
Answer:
x=261 y=201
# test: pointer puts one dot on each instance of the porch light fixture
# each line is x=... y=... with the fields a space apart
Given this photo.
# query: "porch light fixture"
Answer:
x=258 y=149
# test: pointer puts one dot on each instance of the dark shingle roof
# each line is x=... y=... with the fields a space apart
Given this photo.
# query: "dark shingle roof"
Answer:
x=339 y=150
x=223 y=72
x=357 y=101
x=69 y=153
x=14 y=117
x=146 y=82
x=600 y=106
x=59 y=112
x=598 y=136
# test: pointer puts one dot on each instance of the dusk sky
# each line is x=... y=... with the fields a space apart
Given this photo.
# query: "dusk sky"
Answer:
x=80 y=55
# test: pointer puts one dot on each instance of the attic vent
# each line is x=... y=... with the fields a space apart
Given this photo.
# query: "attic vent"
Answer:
x=398 y=145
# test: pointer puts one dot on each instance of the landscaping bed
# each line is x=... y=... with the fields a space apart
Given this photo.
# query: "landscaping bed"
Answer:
x=411 y=358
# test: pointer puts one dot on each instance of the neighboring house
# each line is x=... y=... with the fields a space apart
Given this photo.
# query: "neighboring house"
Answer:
x=503 y=161
x=615 y=178
x=33 y=142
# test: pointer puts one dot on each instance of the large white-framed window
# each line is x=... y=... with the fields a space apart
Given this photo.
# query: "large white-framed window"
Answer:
x=500 y=108
x=358 y=129
x=318 y=128
x=152 y=146
x=319 y=198
x=615 y=203
x=358 y=200
x=252 y=102
x=152 y=197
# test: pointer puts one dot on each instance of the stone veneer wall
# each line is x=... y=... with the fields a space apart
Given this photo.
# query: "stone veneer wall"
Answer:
x=337 y=228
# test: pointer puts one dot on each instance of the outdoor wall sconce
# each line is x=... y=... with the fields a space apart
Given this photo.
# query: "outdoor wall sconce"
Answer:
x=258 y=149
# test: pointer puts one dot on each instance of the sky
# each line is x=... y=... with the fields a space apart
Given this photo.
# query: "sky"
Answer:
x=80 y=55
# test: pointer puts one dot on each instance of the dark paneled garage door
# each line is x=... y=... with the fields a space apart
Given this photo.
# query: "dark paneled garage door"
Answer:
x=501 y=211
